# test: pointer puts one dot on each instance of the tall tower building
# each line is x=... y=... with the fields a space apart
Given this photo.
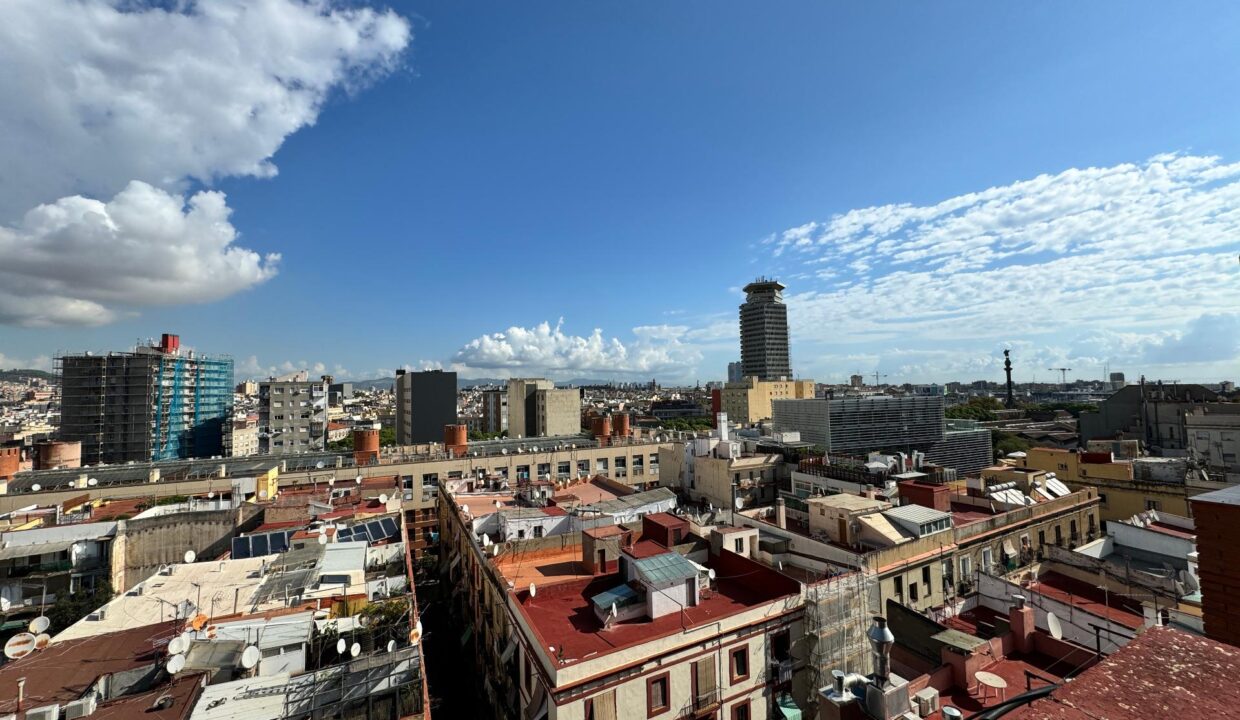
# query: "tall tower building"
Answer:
x=159 y=402
x=764 y=331
x=425 y=402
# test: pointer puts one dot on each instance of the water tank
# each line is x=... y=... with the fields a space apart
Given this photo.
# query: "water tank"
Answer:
x=456 y=439
x=366 y=446
x=58 y=454
x=622 y=425
x=601 y=426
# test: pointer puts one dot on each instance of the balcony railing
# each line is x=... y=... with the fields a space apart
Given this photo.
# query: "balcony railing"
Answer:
x=706 y=701
x=781 y=671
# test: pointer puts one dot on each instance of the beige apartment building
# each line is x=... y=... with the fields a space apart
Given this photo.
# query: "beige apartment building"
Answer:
x=749 y=401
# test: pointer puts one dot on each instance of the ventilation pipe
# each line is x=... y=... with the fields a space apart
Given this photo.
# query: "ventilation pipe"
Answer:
x=881 y=641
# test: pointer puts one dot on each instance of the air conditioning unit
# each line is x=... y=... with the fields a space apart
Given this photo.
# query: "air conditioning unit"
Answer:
x=47 y=712
x=927 y=701
x=81 y=708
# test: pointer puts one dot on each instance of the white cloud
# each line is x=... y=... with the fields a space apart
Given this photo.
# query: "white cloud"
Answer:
x=78 y=260
x=251 y=369
x=40 y=362
x=1095 y=264
x=118 y=99
x=547 y=350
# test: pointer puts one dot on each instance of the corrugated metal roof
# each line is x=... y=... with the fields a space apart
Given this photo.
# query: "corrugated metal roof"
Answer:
x=277 y=632
x=918 y=514
x=665 y=569
x=256 y=697
x=630 y=503
x=343 y=557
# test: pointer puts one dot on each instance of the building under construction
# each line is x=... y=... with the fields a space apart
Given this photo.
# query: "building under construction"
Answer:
x=158 y=402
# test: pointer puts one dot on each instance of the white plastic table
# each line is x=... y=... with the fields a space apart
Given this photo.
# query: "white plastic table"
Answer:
x=991 y=680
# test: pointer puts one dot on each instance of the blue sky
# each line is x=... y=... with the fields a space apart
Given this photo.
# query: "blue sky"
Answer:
x=580 y=189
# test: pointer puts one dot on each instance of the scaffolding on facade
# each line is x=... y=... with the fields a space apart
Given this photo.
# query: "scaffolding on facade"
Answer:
x=838 y=613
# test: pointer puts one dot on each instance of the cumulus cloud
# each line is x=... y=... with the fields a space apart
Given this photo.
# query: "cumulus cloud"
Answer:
x=1096 y=264
x=76 y=260
x=548 y=350
x=251 y=369
x=138 y=101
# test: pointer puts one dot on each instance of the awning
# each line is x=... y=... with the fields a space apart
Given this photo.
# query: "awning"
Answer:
x=1009 y=549
x=33 y=549
x=788 y=707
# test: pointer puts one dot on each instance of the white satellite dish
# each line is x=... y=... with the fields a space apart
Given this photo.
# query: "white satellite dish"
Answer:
x=358 y=479
x=504 y=451
x=533 y=590
x=740 y=503
x=355 y=649
x=498 y=504
x=341 y=646
x=391 y=645
x=318 y=465
x=40 y=624
x=710 y=573
x=92 y=482
x=250 y=657
x=465 y=509
x=36 y=487
x=322 y=539
x=383 y=498
x=178 y=645
x=190 y=556
x=19 y=646
x=176 y=664
x=486 y=540
x=1053 y=624
x=331 y=481
x=416 y=633
x=41 y=641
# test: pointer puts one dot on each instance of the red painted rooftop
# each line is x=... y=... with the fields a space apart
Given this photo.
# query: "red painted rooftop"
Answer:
x=562 y=615
x=1172 y=530
x=1090 y=598
x=1012 y=669
x=1163 y=673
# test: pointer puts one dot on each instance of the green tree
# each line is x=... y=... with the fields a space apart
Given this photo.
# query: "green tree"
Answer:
x=1005 y=442
x=979 y=408
x=71 y=607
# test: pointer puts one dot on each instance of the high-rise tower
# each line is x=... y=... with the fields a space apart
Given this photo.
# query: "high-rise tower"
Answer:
x=764 y=331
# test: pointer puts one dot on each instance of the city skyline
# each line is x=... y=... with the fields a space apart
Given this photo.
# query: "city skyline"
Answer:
x=933 y=186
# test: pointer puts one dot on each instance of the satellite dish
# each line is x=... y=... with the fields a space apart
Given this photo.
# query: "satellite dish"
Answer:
x=740 y=503
x=318 y=465
x=486 y=540
x=250 y=657
x=42 y=640
x=19 y=646
x=391 y=645
x=358 y=479
x=533 y=590
x=383 y=498
x=199 y=621
x=40 y=624
x=331 y=481
x=341 y=646
x=465 y=509
x=416 y=633
x=498 y=504
x=190 y=556
x=1052 y=623
x=322 y=539
x=36 y=487
x=92 y=482
x=176 y=664
x=163 y=702
x=504 y=451
x=210 y=494
x=178 y=645
x=355 y=649
x=710 y=573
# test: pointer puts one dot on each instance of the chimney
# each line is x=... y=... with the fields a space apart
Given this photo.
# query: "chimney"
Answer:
x=721 y=425
x=881 y=641
x=1021 y=620
x=781 y=513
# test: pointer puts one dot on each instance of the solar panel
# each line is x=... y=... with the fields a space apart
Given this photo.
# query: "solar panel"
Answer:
x=390 y=525
x=258 y=543
x=377 y=532
x=360 y=533
x=240 y=548
x=279 y=542
x=344 y=535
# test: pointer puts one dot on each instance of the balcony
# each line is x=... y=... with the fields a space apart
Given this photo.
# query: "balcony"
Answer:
x=706 y=703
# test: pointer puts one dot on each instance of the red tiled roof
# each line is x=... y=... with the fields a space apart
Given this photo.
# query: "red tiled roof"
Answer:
x=1163 y=673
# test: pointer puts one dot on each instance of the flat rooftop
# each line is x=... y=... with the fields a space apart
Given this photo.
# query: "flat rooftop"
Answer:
x=544 y=567
x=562 y=616
x=1088 y=597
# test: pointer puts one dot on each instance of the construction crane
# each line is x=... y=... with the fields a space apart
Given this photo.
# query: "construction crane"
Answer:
x=1063 y=375
x=877 y=378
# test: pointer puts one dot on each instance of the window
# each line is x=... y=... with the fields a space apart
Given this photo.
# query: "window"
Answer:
x=1041 y=538
x=738 y=659
x=925 y=576
x=1102 y=497
x=781 y=645
x=1059 y=534
x=658 y=697
x=899 y=586
x=538 y=531
x=966 y=568
x=912 y=592
x=988 y=557
x=601 y=706
x=740 y=546
x=1153 y=505
x=740 y=711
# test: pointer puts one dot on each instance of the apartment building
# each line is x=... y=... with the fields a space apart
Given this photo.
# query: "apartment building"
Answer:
x=495 y=411
x=292 y=414
x=157 y=402
x=425 y=403
x=1213 y=437
x=750 y=400
x=719 y=473
x=536 y=408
